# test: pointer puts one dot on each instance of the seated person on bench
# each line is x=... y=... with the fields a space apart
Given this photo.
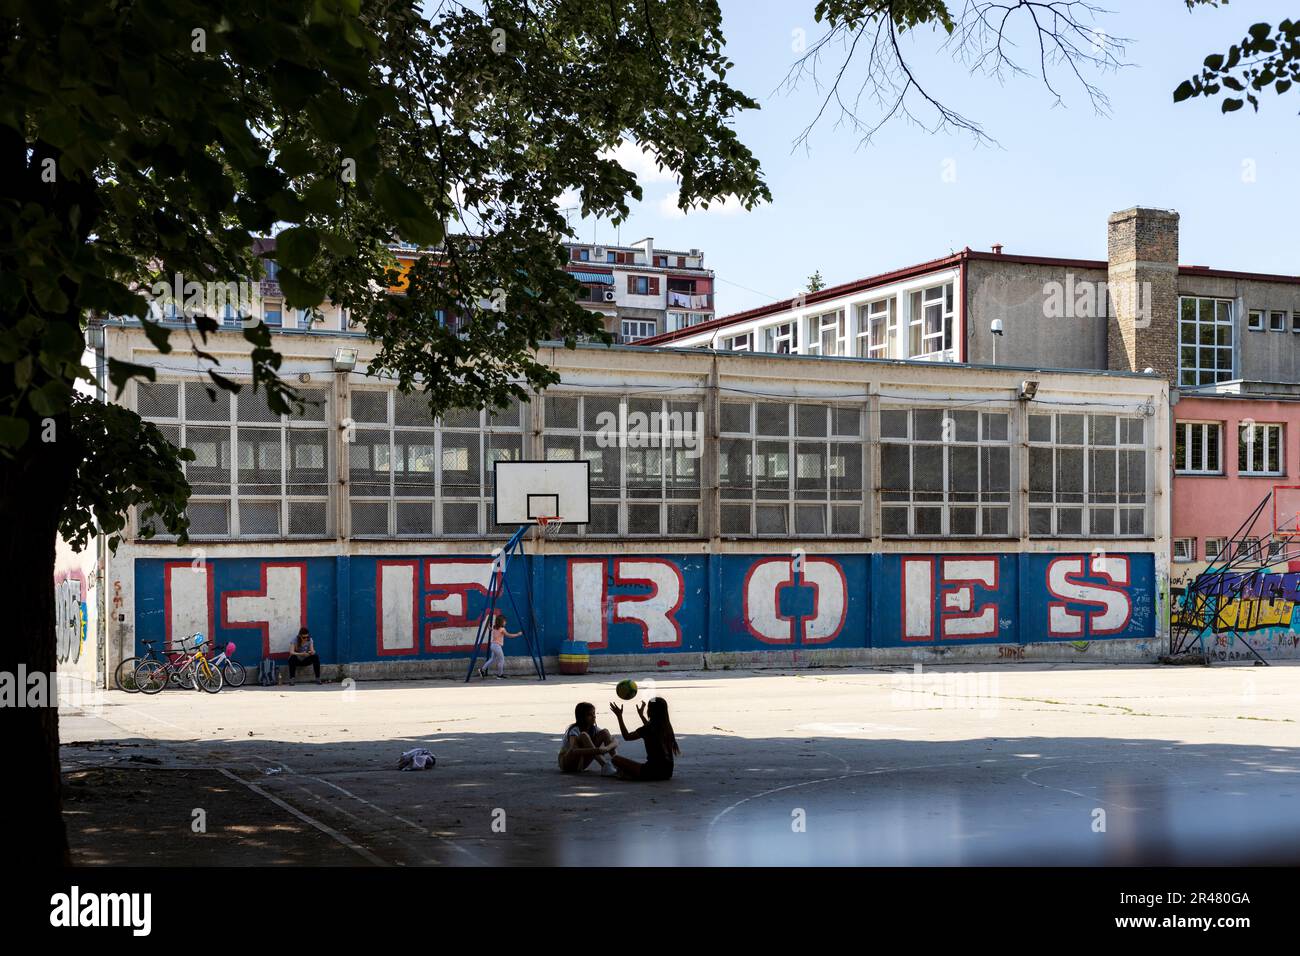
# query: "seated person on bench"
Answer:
x=303 y=652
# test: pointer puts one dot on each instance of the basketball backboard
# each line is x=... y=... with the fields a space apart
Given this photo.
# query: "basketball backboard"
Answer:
x=524 y=491
x=1286 y=511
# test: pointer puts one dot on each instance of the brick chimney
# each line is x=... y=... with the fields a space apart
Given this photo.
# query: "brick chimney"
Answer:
x=1142 y=281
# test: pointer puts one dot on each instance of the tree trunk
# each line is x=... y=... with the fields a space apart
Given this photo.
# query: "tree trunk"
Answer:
x=33 y=486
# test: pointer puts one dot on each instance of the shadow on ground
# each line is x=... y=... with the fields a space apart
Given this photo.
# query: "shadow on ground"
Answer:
x=498 y=798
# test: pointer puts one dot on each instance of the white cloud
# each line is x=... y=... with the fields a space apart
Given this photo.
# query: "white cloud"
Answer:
x=640 y=162
x=728 y=207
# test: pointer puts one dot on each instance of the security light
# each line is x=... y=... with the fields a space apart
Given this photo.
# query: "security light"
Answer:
x=345 y=360
x=1028 y=390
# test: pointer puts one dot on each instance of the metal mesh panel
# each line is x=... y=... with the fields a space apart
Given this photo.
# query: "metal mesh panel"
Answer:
x=209 y=473
x=810 y=421
x=208 y=518
x=771 y=419
x=259 y=518
x=684 y=519
x=606 y=469
x=846 y=520
x=810 y=470
x=369 y=407
x=158 y=399
x=772 y=519
x=460 y=464
x=644 y=473
x=459 y=517
x=370 y=518
x=845 y=467
x=307 y=467
x=561 y=412
x=683 y=473
x=735 y=519
x=369 y=463
x=810 y=519
x=735 y=467
x=735 y=417
x=308 y=518
x=643 y=519
x=259 y=461
x=846 y=421
x=415 y=518
x=200 y=406
x=596 y=409
x=250 y=406
x=461 y=418
x=412 y=409
x=172 y=433
x=414 y=468
x=604 y=519
x=505 y=417
x=562 y=447
x=313 y=405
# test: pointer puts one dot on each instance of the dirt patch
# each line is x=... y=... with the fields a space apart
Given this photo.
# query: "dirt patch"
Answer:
x=151 y=817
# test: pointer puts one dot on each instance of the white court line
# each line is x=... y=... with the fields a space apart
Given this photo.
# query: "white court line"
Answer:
x=378 y=809
x=843 y=776
x=1047 y=786
x=323 y=828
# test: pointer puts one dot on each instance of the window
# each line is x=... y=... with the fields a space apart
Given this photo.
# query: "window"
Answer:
x=1205 y=340
x=782 y=339
x=1197 y=448
x=1277 y=321
x=931 y=321
x=410 y=476
x=1259 y=449
x=945 y=472
x=272 y=314
x=637 y=329
x=1248 y=550
x=790 y=469
x=1087 y=475
x=1255 y=321
x=255 y=473
x=827 y=334
x=1295 y=321
x=644 y=482
x=877 y=329
x=1184 y=550
x=582 y=255
x=661 y=261
x=643 y=285
x=1216 y=549
x=739 y=343
x=611 y=256
x=1276 y=551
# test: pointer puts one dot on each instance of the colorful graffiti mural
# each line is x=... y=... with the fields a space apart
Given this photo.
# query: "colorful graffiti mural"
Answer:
x=373 y=608
x=1233 y=610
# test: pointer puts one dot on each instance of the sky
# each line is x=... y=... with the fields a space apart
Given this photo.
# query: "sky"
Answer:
x=1045 y=187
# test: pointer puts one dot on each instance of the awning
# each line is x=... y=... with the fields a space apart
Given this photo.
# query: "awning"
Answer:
x=600 y=278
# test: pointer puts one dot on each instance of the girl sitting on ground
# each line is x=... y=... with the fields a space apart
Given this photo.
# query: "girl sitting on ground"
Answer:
x=660 y=742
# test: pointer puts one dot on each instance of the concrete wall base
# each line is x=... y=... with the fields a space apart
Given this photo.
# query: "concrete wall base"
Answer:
x=634 y=665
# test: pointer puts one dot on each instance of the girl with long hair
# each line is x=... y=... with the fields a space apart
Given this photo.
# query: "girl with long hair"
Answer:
x=660 y=742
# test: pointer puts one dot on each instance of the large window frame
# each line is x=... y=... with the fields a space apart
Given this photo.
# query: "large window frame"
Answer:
x=411 y=476
x=257 y=474
x=1261 y=449
x=646 y=484
x=1198 y=448
x=792 y=469
x=878 y=328
x=946 y=472
x=828 y=334
x=931 y=319
x=1089 y=475
x=1206 y=340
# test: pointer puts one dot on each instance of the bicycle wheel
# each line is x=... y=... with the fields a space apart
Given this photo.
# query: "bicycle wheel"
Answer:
x=151 y=677
x=206 y=676
x=183 y=676
x=234 y=673
x=124 y=676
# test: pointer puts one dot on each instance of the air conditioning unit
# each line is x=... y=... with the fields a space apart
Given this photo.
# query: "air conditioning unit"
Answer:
x=599 y=254
x=609 y=295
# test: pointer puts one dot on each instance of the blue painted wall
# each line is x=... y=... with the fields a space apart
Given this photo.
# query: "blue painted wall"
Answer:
x=372 y=608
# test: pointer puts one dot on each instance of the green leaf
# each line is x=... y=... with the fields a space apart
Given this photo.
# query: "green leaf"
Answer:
x=1184 y=91
x=296 y=248
x=119 y=373
x=13 y=431
x=158 y=336
x=1231 y=105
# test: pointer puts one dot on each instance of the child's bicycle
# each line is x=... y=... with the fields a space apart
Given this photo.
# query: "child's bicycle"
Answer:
x=230 y=669
x=191 y=669
x=126 y=676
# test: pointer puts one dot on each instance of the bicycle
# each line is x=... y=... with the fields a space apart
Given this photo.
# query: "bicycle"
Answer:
x=231 y=669
x=151 y=676
x=125 y=675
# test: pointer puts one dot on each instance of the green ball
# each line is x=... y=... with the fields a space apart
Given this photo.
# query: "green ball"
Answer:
x=626 y=689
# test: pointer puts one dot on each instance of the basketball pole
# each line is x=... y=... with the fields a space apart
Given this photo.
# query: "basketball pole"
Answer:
x=497 y=583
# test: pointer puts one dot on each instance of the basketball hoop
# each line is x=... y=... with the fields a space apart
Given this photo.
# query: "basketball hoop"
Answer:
x=548 y=525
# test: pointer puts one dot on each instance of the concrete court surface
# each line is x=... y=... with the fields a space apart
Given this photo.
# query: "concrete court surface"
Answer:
x=997 y=764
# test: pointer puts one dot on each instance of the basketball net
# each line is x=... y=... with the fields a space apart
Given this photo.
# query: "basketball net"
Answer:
x=549 y=524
